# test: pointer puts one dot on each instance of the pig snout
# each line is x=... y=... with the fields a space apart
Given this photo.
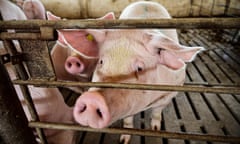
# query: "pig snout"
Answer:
x=91 y=110
x=74 y=65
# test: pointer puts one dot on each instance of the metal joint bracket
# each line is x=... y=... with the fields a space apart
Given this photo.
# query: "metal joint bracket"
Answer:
x=47 y=33
x=16 y=59
x=5 y=58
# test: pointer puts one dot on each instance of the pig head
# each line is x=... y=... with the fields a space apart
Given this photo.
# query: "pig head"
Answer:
x=76 y=52
x=143 y=56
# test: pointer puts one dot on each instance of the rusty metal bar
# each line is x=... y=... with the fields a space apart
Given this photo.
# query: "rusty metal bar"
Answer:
x=188 y=88
x=213 y=23
x=45 y=33
x=13 y=122
x=210 y=84
x=163 y=134
x=21 y=73
x=26 y=36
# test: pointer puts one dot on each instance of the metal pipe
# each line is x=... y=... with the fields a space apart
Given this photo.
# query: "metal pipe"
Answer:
x=164 y=134
x=45 y=33
x=190 y=23
x=188 y=88
x=26 y=36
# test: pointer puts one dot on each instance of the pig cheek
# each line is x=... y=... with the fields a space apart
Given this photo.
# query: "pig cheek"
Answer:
x=121 y=103
x=90 y=66
x=114 y=102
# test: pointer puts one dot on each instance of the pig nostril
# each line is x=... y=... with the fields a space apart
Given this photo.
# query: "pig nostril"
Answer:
x=82 y=109
x=78 y=64
x=69 y=65
x=99 y=113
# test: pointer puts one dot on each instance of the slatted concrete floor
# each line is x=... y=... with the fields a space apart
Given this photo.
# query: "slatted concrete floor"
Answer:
x=204 y=113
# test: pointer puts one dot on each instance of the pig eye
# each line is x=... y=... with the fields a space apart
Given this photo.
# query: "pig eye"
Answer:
x=101 y=62
x=138 y=66
x=159 y=50
x=139 y=69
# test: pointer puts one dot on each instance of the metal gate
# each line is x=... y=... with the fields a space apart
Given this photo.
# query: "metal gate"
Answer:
x=39 y=66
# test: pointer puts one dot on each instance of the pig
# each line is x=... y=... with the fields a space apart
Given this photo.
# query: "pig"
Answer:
x=33 y=9
x=75 y=53
x=48 y=102
x=6 y=11
x=143 y=56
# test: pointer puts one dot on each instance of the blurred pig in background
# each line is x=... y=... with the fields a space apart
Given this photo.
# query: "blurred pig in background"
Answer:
x=143 y=56
x=33 y=9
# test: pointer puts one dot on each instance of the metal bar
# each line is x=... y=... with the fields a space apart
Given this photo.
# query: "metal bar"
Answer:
x=26 y=36
x=45 y=33
x=188 y=88
x=13 y=122
x=207 y=84
x=213 y=23
x=164 y=134
x=21 y=73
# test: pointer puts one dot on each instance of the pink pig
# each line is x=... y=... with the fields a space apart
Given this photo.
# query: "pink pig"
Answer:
x=33 y=9
x=143 y=56
x=48 y=102
x=76 y=52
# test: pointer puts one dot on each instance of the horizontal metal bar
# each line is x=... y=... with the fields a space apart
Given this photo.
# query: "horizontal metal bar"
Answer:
x=210 y=84
x=31 y=36
x=188 y=88
x=163 y=134
x=213 y=23
x=26 y=36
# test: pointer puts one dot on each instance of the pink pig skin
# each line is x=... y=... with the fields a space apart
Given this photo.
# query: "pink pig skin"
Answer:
x=48 y=102
x=147 y=56
x=33 y=9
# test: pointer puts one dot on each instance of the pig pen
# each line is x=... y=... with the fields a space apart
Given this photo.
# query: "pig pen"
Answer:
x=206 y=109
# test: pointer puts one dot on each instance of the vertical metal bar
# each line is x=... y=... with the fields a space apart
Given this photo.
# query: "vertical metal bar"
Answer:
x=13 y=122
x=22 y=74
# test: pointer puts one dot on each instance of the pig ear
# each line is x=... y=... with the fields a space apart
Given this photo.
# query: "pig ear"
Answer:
x=99 y=35
x=109 y=16
x=80 y=41
x=61 y=40
x=171 y=53
x=51 y=16
x=187 y=54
